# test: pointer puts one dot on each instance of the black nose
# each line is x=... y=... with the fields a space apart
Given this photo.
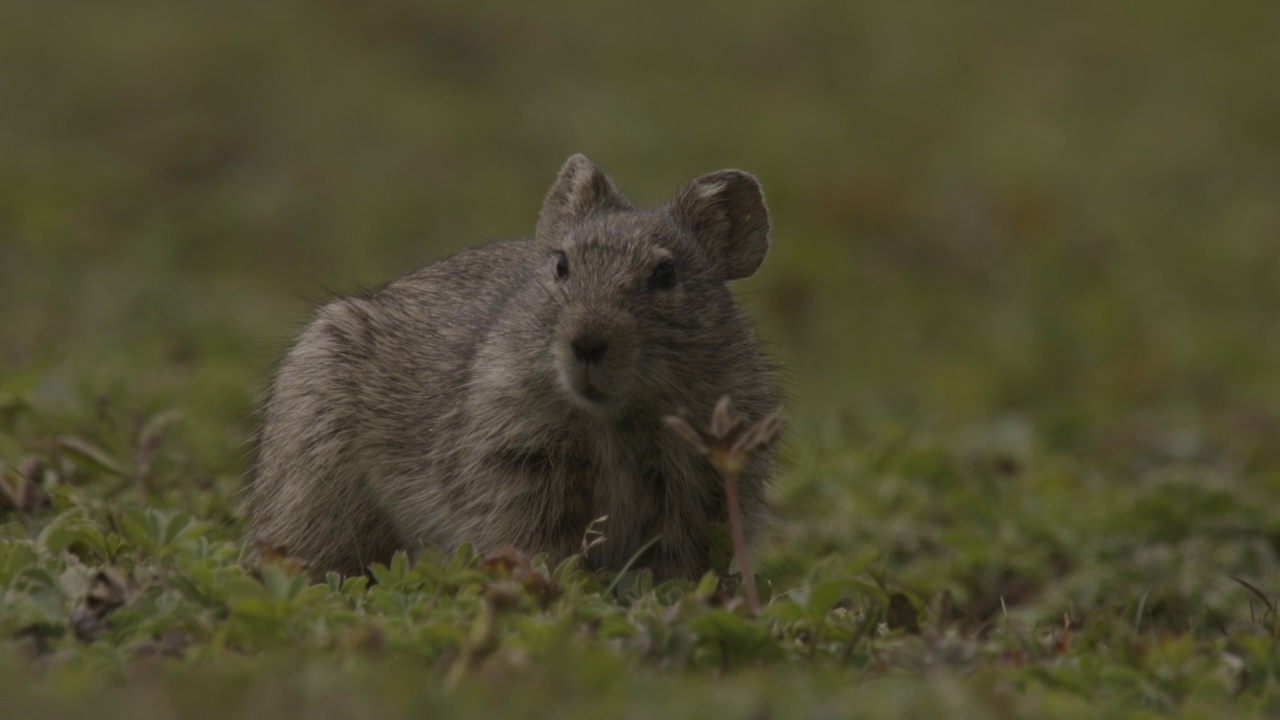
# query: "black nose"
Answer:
x=589 y=349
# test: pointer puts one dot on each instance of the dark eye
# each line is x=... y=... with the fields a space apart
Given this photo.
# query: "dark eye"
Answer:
x=663 y=277
x=562 y=266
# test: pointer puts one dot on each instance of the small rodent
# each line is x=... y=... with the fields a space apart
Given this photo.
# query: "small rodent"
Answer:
x=515 y=392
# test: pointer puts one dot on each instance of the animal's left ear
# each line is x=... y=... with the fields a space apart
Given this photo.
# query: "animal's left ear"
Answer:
x=726 y=211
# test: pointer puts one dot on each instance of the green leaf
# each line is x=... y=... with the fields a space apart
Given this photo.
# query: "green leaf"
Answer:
x=824 y=596
x=787 y=612
x=708 y=585
x=732 y=632
x=277 y=582
x=400 y=565
x=382 y=575
x=861 y=563
x=355 y=587
x=93 y=455
x=68 y=528
x=615 y=626
x=16 y=556
x=135 y=527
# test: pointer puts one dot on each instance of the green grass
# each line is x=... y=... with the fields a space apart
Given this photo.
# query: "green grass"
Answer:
x=1025 y=287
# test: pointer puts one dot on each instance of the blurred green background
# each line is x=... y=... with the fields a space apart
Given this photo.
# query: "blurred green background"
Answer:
x=1066 y=214
x=1024 y=287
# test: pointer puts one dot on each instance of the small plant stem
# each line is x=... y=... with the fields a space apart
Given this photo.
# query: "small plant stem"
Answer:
x=739 y=541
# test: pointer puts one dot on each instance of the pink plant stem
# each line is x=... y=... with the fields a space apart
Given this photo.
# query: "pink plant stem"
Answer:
x=739 y=541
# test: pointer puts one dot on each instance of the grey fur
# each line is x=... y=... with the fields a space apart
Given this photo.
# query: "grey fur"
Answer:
x=492 y=398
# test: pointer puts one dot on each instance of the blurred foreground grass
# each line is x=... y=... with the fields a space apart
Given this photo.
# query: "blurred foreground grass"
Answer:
x=1025 y=283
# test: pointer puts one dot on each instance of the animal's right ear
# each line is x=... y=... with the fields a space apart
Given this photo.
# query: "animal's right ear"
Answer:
x=580 y=189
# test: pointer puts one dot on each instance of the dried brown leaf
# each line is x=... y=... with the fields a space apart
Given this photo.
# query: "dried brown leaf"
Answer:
x=509 y=561
x=151 y=438
x=758 y=435
x=594 y=535
x=280 y=557
x=109 y=592
x=902 y=614
x=724 y=424
x=1266 y=601
x=686 y=432
x=20 y=487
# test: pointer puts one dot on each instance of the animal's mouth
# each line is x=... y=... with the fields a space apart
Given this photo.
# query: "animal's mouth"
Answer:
x=592 y=393
x=587 y=390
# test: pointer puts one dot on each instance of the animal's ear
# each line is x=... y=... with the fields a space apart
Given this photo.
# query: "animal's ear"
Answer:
x=726 y=211
x=580 y=189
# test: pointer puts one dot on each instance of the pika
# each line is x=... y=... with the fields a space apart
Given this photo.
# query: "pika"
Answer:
x=513 y=393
